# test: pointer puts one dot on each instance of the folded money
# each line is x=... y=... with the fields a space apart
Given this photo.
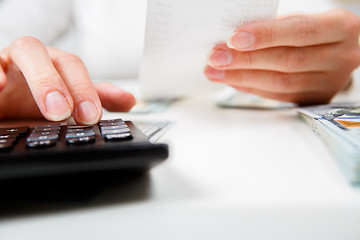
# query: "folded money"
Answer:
x=338 y=125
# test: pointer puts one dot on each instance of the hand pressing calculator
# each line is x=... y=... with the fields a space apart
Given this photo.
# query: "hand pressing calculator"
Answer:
x=58 y=149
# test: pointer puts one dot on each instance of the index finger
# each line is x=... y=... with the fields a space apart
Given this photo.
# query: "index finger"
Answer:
x=296 y=31
x=46 y=85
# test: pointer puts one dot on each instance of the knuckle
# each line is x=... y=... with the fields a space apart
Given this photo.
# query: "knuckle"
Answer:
x=340 y=13
x=25 y=42
x=44 y=78
x=355 y=57
x=305 y=27
x=236 y=78
x=352 y=26
x=351 y=59
x=268 y=34
x=67 y=58
x=294 y=59
x=81 y=87
x=282 y=82
x=349 y=21
x=245 y=59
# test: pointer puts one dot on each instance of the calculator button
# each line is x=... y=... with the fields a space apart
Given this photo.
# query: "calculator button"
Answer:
x=6 y=146
x=113 y=127
x=7 y=140
x=40 y=143
x=45 y=133
x=15 y=136
x=46 y=129
x=79 y=128
x=15 y=130
x=118 y=136
x=115 y=131
x=74 y=126
x=52 y=125
x=111 y=122
x=43 y=137
x=78 y=140
x=80 y=134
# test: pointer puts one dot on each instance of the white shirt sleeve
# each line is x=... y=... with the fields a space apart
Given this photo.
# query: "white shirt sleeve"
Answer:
x=43 y=19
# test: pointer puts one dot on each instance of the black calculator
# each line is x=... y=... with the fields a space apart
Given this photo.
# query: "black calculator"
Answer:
x=69 y=148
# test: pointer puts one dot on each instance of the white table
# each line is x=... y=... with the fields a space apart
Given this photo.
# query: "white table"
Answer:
x=232 y=174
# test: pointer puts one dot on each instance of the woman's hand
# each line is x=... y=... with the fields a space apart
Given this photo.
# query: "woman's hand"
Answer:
x=40 y=81
x=305 y=59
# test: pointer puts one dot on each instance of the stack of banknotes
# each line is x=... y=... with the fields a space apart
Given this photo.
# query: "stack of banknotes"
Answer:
x=338 y=125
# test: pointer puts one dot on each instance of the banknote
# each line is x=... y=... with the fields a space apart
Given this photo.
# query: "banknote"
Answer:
x=338 y=126
x=232 y=98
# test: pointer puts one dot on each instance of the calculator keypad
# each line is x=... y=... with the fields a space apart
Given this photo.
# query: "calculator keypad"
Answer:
x=49 y=135
x=68 y=149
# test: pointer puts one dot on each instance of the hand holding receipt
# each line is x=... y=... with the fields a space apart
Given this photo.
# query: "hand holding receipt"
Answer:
x=179 y=35
x=292 y=59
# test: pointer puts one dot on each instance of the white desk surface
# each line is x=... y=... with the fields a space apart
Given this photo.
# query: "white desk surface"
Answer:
x=232 y=174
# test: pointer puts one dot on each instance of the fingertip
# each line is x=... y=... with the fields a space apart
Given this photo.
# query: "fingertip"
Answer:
x=131 y=99
x=214 y=74
x=241 y=40
x=128 y=101
x=229 y=43
x=87 y=113
x=57 y=107
x=115 y=99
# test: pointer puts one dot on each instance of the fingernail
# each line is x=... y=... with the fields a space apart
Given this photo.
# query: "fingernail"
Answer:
x=88 y=113
x=214 y=74
x=241 y=40
x=2 y=79
x=57 y=108
x=220 y=58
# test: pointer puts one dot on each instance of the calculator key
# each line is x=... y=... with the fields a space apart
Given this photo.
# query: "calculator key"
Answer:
x=79 y=140
x=115 y=131
x=51 y=125
x=6 y=146
x=15 y=136
x=79 y=128
x=74 y=126
x=111 y=122
x=118 y=136
x=15 y=130
x=80 y=134
x=46 y=129
x=40 y=143
x=44 y=133
x=113 y=127
x=7 y=140
x=43 y=137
